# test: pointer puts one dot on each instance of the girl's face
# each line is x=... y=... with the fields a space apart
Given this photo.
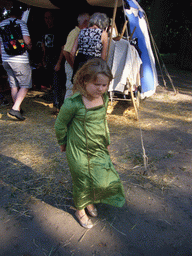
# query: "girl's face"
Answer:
x=97 y=88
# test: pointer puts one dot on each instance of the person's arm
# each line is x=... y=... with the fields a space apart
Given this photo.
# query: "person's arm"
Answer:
x=64 y=117
x=43 y=57
x=26 y=35
x=58 y=65
x=74 y=49
x=104 y=40
x=69 y=58
x=27 y=41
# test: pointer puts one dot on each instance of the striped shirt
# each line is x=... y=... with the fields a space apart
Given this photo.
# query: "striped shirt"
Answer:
x=17 y=58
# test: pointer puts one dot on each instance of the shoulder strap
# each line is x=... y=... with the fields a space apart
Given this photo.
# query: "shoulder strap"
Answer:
x=12 y=23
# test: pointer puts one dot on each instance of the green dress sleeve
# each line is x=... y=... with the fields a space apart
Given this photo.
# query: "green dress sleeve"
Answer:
x=106 y=102
x=64 y=118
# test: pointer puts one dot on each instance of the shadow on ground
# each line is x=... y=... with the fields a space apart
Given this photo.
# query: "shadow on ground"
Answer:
x=37 y=211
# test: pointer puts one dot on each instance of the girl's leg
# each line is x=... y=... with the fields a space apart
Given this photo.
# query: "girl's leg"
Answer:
x=81 y=213
x=92 y=210
x=90 y=207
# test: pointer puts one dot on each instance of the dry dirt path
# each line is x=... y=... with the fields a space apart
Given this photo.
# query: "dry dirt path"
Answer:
x=36 y=207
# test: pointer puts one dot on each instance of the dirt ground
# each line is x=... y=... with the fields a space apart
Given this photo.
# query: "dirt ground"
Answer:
x=36 y=207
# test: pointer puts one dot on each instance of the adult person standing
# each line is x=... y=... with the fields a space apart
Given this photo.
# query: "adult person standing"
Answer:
x=92 y=41
x=17 y=66
x=83 y=21
x=52 y=43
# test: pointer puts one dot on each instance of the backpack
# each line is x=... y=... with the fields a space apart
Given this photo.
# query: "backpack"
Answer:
x=12 y=38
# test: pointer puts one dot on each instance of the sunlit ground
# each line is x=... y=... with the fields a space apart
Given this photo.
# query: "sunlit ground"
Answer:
x=33 y=170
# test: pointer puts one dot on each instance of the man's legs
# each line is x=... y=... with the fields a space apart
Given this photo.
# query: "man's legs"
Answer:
x=18 y=97
x=14 y=91
x=19 y=75
x=57 y=93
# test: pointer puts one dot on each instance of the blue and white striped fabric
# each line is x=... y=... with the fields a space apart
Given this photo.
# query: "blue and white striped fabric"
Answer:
x=18 y=58
x=149 y=78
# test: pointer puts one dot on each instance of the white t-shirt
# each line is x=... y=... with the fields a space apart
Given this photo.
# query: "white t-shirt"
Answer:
x=23 y=58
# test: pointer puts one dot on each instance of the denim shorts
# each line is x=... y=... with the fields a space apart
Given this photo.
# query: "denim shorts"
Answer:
x=19 y=74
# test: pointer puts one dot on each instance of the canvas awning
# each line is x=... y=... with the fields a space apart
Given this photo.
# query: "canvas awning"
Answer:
x=49 y=4
x=104 y=3
x=40 y=3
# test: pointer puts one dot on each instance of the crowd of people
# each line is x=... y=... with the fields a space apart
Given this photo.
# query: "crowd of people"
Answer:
x=58 y=57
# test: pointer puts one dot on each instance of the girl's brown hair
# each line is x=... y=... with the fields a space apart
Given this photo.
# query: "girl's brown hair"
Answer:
x=89 y=72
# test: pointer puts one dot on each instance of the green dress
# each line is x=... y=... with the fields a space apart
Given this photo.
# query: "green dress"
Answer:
x=85 y=133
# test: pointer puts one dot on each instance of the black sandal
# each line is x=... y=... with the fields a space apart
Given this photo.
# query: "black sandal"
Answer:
x=17 y=114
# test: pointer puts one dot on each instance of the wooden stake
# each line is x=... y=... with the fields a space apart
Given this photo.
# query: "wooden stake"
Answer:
x=132 y=34
x=124 y=28
x=113 y=22
x=133 y=100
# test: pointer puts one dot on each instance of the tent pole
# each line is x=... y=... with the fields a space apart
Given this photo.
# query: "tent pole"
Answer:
x=113 y=23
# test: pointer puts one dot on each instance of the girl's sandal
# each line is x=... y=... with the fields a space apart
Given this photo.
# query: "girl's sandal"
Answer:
x=88 y=224
x=93 y=213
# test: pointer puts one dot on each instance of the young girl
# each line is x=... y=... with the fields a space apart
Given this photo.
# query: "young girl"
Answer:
x=82 y=131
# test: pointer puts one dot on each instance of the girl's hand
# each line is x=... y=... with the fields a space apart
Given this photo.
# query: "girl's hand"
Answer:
x=63 y=148
x=108 y=147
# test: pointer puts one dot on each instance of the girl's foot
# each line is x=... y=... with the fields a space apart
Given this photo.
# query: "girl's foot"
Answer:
x=83 y=219
x=92 y=210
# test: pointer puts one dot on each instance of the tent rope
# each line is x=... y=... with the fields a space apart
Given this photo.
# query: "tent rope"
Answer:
x=158 y=56
x=145 y=158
